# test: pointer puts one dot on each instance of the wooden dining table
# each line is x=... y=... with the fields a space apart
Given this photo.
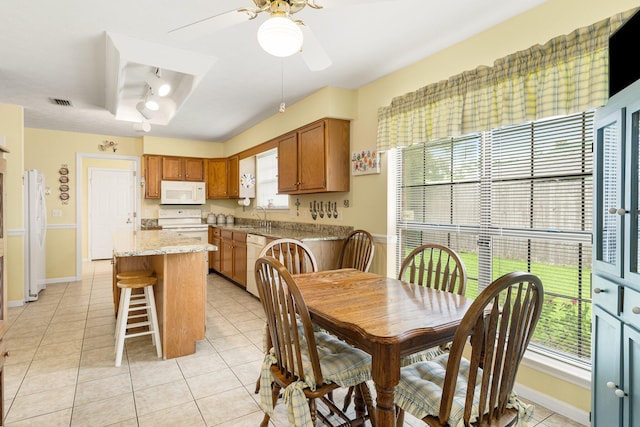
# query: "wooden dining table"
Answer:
x=385 y=317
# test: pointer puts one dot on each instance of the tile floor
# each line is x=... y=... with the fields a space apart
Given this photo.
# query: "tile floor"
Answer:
x=61 y=371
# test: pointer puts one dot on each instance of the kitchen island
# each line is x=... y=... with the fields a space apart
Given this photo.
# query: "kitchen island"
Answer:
x=180 y=264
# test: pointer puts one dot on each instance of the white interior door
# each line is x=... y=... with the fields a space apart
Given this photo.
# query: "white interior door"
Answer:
x=111 y=208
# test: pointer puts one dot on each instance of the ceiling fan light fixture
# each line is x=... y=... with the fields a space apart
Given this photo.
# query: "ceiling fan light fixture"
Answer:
x=280 y=36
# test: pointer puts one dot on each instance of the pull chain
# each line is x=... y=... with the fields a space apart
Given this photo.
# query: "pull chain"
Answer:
x=283 y=107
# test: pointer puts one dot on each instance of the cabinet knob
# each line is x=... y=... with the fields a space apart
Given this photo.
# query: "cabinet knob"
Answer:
x=617 y=391
x=618 y=211
x=635 y=310
x=598 y=290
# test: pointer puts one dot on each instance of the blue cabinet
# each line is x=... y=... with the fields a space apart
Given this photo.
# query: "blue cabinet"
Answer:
x=616 y=278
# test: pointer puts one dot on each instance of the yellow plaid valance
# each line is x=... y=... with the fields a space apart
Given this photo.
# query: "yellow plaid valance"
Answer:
x=567 y=74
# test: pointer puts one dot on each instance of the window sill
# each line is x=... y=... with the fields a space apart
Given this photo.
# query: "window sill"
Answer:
x=558 y=367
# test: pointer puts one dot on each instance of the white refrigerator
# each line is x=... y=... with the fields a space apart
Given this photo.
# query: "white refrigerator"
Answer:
x=35 y=236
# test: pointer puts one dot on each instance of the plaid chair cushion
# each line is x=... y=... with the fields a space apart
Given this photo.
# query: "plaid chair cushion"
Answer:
x=422 y=356
x=420 y=389
x=340 y=363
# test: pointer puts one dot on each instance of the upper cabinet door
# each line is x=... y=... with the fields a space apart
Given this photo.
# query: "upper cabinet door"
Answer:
x=609 y=190
x=152 y=173
x=233 y=176
x=288 y=163
x=312 y=157
x=172 y=169
x=217 y=178
x=194 y=169
x=632 y=194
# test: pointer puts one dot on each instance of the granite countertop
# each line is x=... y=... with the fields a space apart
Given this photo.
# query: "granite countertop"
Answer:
x=155 y=242
x=285 y=233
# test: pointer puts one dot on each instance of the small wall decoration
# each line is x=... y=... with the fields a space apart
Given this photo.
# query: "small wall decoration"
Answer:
x=108 y=145
x=365 y=162
x=64 y=183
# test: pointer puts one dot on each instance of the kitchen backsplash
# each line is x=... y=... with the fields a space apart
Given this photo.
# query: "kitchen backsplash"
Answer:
x=339 y=230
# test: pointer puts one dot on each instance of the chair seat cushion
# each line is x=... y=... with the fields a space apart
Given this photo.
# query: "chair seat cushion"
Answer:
x=420 y=389
x=422 y=356
x=341 y=363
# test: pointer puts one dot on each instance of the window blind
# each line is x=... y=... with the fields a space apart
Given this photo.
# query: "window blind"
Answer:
x=513 y=198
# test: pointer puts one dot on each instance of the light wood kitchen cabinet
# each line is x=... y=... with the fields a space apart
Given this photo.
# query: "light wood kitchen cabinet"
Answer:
x=217 y=179
x=233 y=177
x=315 y=158
x=233 y=256
x=223 y=178
x=152 y=176
x=214 y=256
x=183 y=169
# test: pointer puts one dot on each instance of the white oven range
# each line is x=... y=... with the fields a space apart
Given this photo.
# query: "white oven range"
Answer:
x=185 y=222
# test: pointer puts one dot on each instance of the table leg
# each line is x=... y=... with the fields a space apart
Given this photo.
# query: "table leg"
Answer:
x=385 y=370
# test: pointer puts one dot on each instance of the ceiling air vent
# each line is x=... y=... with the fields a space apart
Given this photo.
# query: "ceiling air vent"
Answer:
x=61 y=102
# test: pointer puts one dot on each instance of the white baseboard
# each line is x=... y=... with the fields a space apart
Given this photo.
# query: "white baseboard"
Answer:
x=571 y=412
x=62 y=279
x=18 y=303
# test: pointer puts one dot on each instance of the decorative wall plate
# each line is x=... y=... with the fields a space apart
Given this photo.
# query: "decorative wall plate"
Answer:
x=247 y=180
x=64 y=196
x=63 y=171
x=64 y=187
x=63 y=179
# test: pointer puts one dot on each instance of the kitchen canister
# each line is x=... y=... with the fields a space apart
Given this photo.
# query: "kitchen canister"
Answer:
x=211 y=218
x=229 y=219
x=221 y=219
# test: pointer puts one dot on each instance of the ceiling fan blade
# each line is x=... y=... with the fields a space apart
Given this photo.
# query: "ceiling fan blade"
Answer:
x=334 y=3
x=210 y=25
x=312 y=51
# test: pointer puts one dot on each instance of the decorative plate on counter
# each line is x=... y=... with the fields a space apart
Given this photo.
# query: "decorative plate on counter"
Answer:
x=247 y=180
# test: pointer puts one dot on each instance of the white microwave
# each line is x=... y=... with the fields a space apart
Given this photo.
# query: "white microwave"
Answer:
x=182 y=193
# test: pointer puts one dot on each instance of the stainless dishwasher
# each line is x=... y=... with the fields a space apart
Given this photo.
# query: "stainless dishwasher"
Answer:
x=255 y=243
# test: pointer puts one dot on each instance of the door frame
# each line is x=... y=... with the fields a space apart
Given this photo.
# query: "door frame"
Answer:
x=83 y=197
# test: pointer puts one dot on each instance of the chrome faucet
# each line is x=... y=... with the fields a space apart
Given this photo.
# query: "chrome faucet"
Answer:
x=263 y=223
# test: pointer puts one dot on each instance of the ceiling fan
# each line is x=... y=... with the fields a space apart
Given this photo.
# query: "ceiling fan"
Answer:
x=278 y=31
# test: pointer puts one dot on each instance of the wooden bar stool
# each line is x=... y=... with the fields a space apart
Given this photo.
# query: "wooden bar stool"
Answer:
x=146 y=304
x=136 y=298
x=134 y=274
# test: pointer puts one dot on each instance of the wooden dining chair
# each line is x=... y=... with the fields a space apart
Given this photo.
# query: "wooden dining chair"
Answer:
x=438 y=267
x=308 y=367
x=451 y=390
x=297 y=258
x=435 y=266
x=293 y=254
x=357 y=251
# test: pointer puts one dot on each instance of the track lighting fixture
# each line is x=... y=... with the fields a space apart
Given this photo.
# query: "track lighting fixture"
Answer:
x=158 y=85
x=143 y=126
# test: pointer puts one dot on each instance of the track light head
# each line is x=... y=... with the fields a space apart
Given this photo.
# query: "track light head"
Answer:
x=158 y=85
